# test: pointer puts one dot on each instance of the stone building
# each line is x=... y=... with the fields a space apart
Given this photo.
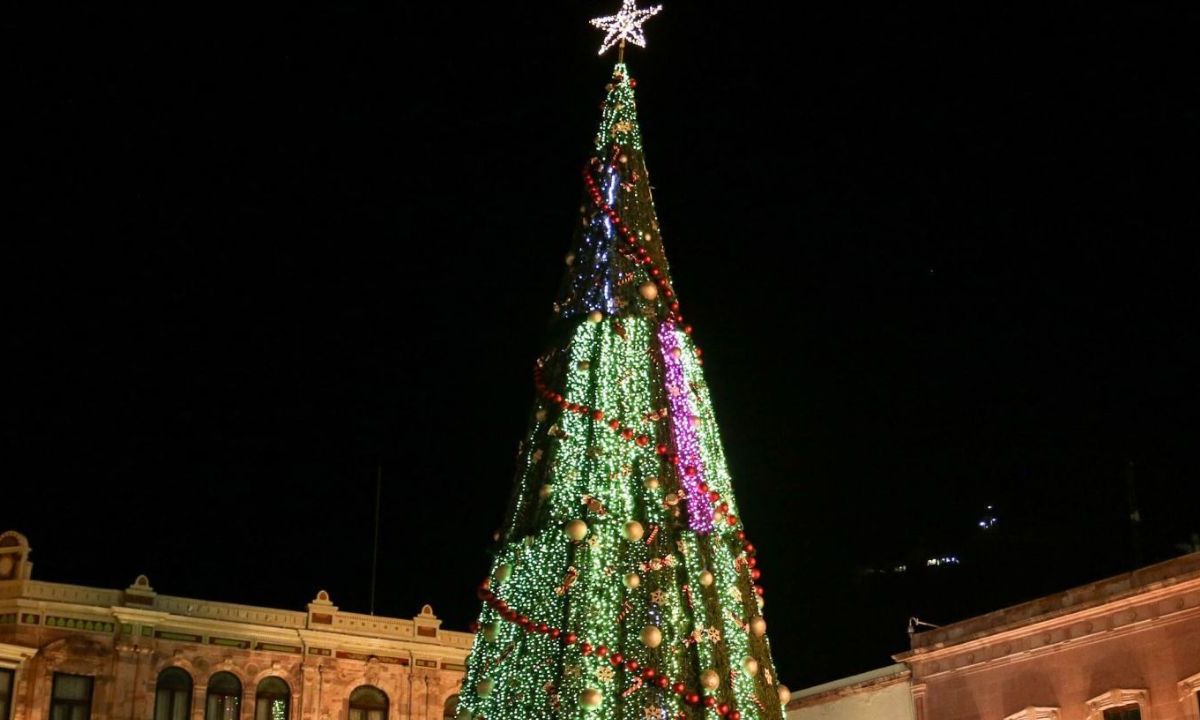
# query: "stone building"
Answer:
x=79 y=653
x=1124 y=648
x=883 y=694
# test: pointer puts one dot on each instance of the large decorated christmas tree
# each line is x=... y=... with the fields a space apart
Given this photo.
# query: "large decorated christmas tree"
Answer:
x=624 y=584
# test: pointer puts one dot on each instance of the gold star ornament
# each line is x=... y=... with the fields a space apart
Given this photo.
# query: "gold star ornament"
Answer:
x=625 y=25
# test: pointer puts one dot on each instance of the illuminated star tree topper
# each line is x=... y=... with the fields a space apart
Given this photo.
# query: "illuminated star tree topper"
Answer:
x=625 y=25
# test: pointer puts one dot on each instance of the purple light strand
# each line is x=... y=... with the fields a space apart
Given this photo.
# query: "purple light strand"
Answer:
x=683 y=435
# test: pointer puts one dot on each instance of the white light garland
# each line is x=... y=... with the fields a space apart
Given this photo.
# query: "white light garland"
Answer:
x=625 y=25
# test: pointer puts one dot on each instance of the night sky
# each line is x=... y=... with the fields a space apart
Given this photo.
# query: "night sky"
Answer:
x=938 y=258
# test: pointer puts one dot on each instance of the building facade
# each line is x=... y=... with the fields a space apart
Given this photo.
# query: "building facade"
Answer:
x=1124 y=648
x=69 y=652
x=883 y=694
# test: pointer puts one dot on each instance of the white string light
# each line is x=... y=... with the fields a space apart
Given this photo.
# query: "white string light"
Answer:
x=625 y=25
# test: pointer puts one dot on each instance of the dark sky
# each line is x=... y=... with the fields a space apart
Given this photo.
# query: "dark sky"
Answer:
x=938 y=258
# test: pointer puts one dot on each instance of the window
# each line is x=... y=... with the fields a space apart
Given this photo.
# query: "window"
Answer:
x=6 y=692
x=71 y=697
x=368 y=703
x=1119 y=704
x=224 y=697
x=173 y=695
x=450 y=709
x=271 y=699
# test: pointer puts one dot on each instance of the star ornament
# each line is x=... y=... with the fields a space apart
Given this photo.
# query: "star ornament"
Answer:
x=625 y=25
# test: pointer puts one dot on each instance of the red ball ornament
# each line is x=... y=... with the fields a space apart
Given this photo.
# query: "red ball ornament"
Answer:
x=597 y=415
x=643 y=441
x=555 y=633
x=749 y=548
x=627 y=433
x=755 y=574
x=649 y=673
x=662 y=681
x=734 y=715
x=710 y=701
x=632 y=83
x=662 y=449
x=655 y=272
x=632 y=665
x=723 y=709
x=571 y=638
x=614 y=424
x=601 y=651
x=751 y=561
x=543 y=628
x=731 y=519
x=678 y=688
x=692 y=699
x=758 y=590
x=714 y=496
x=688 y=329
x=585 y=649
x=616 y=659
x=691 y=471
x=741 y=535
x=702 y=486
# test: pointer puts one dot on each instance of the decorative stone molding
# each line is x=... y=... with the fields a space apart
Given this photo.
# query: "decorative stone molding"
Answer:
x=1119 y=697
x=1035 y=713
x=1189 y=697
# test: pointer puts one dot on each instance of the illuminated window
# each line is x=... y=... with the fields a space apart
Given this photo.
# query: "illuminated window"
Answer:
x=450 y=709
x=71 y=697
x=6 y=691
x=368 y=703
x=173 y=695
x=271 y=699
x=224 y=697
x=1125 y=712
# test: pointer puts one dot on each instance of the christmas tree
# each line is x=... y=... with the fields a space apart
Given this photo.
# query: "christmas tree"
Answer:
x=624 y=585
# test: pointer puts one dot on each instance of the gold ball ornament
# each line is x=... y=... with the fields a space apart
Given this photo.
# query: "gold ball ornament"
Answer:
x=758 y=626
x=648 y=291
x=718 y=517
x=591 y=698
x=546 y=491
x=651 y=483
x=503 y=572
x=784 y=694
x=570 y=259
x=633 y=580
x=541 y=415
x=491 y=631
x=583 y=365
x=595 y=316
x=676 y=353
x=706 y=578
x=750 y=665
x=634 y=531
x=651 y=636
x=464 y=714
x=576 y=530
x=483 y=688
x=710 y=679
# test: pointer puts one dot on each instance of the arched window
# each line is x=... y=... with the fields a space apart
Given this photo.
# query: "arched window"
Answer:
x=450 y=709
x=368 y=703
x=224 y=697
x=271 y=700
x=173 y=695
